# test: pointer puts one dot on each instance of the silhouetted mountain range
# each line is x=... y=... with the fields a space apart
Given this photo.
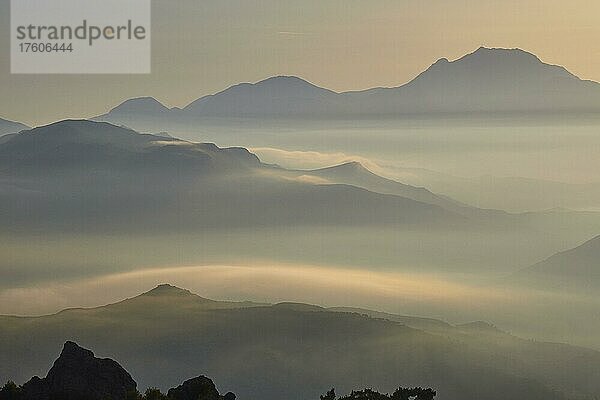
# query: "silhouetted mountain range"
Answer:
x=280 y=95
x=298 y=351
x=354 y=173
x=485 y=81
x=98 y=146
x=140 y=105
x=175 y=185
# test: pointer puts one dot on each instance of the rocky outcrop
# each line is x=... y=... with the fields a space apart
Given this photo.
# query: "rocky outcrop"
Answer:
x=78 y=375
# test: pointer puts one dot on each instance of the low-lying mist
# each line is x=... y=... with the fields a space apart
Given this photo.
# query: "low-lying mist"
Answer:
x=113 y=203
x=510 y=164
x=527 y=313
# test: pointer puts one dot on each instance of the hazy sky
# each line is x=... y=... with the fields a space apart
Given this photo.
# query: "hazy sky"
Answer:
x=200 y=47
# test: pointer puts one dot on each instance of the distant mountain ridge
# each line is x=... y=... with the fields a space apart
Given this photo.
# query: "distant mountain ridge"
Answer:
x=574 y=269
x=177 y=185
x=142 y=105
x=7 y=126
x=273 y=96
x=100 y=145
x=356 y=174
x=487 y=80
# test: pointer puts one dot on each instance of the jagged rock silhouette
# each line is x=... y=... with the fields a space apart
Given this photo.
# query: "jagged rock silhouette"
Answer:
x=78 y=375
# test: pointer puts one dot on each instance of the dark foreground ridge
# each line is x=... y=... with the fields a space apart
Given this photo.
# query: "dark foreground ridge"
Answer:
x=75 y=375
x=78 y=375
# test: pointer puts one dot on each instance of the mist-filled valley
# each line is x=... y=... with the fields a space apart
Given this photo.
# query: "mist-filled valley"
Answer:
x=513 y=162
x=446 y=234
x=155 y=202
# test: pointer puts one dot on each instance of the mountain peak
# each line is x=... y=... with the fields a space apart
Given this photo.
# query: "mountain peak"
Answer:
x=277 y=95
x=497 y=52
x=287 y=79
x=496 y=79
x=77 y=374
x=166 y=289
x=143 y=99
x=442 y=61
x=140 y=105
x=79 y=130
x=76 y=123
x=282 y=82
x=353 y=164
x=346 y=167
x=71 y=349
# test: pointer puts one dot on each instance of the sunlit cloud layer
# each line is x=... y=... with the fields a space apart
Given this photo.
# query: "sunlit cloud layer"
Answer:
x=272 y=284
x=312 y=159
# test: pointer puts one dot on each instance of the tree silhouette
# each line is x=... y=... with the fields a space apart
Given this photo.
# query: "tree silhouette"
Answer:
x=401 y=393
x=154 y=394
x=330 y=395
x=10 y=391
x=134 y=395
x=414 y=393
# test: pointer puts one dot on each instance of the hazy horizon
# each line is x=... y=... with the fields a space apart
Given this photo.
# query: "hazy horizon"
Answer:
x=409 y=36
